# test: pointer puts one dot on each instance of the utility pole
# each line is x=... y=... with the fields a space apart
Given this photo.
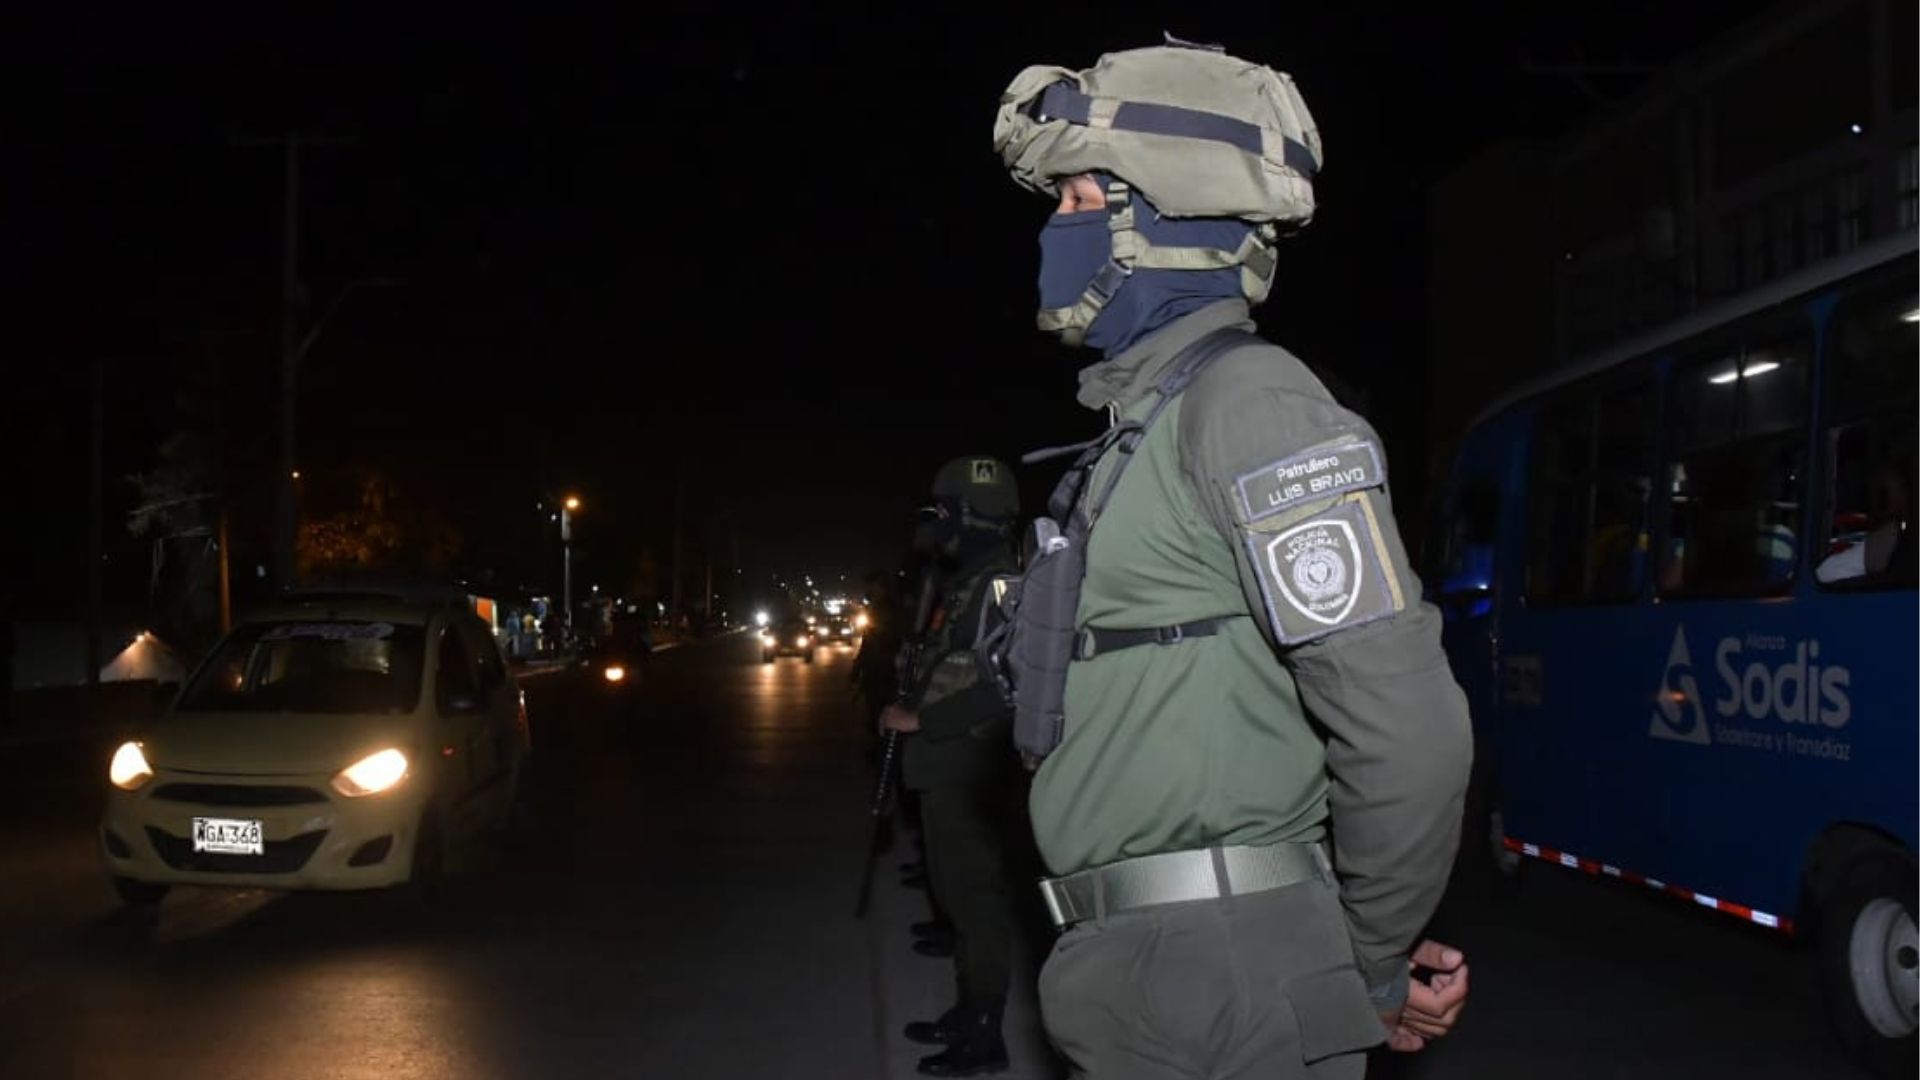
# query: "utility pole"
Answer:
x=566 y=568
x=226 y=580
x=679 y=533
x=286 y=527
x=94 y=524
x=287 y=508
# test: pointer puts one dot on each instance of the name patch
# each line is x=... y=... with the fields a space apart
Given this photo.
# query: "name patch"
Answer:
x=1309 y=477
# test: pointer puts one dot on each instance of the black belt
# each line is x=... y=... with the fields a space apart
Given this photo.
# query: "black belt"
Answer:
x=1095 y=641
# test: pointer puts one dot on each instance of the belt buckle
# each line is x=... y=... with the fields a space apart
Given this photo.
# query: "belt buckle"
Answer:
x=1050 y=897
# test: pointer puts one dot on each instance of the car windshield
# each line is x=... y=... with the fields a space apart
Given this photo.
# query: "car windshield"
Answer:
x=311 y=667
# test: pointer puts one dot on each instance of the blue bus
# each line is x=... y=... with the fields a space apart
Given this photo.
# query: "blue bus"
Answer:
x=1679 y=581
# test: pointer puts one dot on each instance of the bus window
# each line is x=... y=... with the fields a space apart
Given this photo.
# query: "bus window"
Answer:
x=1623 y=479
x=1592 y=473
x=1733 y=482
x=1871 y=375
x=1556 y=499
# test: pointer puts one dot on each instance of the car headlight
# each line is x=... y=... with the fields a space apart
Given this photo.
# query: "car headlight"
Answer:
x=615 y=673
x=801 y=641
x=766 y=639
x=372 y=774
x=129 y=769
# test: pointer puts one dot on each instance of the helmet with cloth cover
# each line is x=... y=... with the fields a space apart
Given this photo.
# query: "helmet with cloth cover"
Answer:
x=981 y=486
x=1197 y=132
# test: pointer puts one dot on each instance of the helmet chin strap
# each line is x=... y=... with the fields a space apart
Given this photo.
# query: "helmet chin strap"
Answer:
x=1131 y=251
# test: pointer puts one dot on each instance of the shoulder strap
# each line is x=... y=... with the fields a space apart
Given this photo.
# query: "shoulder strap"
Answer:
x=1185 y=368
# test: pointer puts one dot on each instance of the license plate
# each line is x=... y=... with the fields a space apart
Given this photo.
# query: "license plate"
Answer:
x=228 y=836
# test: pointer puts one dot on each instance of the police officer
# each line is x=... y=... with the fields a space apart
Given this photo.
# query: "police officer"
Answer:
x=959 y=761
x=1253 y=796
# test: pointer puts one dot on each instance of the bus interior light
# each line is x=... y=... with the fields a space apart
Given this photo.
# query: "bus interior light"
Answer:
x=1748 y=372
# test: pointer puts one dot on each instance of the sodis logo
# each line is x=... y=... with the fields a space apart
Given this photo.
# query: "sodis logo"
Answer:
x=1677 y=712
x=1786 y=683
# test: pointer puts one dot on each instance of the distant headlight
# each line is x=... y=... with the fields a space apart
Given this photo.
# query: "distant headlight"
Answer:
x=860 y=620
x=372 y=774
x=129 y=769
x=801 y=641
x=766 y=639
x=615 y=673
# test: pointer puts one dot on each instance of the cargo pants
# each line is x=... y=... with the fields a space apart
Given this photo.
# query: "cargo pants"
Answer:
x=966 y=865
x=1256 y=986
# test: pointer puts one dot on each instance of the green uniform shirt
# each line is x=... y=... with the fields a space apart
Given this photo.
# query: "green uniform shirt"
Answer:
x=965 y=725
x=1324 y=703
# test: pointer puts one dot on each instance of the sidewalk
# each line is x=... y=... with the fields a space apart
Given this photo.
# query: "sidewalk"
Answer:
x=908 y=986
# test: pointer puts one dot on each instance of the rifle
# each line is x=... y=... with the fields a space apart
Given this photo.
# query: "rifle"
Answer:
x=880 y=807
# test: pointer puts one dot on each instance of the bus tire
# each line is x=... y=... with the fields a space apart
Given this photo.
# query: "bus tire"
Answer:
x=1869 y=968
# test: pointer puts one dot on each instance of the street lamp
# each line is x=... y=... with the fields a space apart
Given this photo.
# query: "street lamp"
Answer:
x=568 y=507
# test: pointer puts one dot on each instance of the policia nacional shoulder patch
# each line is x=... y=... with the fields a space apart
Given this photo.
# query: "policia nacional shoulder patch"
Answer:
x=1327 y=571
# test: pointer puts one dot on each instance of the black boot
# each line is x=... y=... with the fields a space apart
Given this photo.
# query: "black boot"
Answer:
x=942 y=1032
x=979 y=1049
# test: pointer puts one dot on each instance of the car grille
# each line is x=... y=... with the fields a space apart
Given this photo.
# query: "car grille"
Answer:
x=238 y=794
x=282 y=856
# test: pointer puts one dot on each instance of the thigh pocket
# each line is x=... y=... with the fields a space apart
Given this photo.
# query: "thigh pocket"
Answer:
x=1075 y=984
x=1071 y=968
x=1334 y=1014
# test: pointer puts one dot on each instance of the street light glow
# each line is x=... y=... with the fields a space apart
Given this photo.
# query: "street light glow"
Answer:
x=573 y=502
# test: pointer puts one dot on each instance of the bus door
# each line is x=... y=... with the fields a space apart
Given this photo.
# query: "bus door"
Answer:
x=1465 y=577
x=1573 y=626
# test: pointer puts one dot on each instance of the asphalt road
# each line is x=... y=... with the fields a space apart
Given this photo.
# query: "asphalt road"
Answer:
x=682 y=910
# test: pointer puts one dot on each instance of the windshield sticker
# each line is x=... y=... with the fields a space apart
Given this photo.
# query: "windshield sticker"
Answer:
x=378 y=631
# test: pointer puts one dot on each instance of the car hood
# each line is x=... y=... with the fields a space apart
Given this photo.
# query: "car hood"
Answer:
x=272 y=744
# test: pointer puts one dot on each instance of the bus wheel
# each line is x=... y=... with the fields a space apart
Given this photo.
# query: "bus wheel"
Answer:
x=1870 y=963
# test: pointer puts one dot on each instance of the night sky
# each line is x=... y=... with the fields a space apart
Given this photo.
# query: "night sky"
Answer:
x=770 y=256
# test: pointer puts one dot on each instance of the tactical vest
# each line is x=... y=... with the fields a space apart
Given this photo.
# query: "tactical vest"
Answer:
x=1027 y=654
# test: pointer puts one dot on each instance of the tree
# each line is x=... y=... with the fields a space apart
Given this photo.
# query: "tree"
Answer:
x=644 y=587
x=387 y=528
x=177 y=507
